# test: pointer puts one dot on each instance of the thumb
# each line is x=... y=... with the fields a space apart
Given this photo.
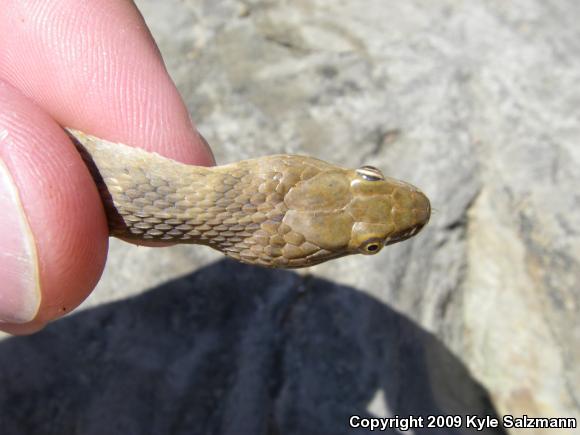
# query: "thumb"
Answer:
x=53 y=233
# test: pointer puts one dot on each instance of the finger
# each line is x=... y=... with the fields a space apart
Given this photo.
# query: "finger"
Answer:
x=93 y=65
x=53 y=235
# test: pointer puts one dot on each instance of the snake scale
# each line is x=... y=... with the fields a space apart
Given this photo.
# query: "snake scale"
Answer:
x=276 y=211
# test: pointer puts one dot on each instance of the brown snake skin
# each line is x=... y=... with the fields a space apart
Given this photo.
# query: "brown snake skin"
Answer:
x=276 y=211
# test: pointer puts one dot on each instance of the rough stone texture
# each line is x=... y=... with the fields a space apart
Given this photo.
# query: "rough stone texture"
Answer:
x=476 y=103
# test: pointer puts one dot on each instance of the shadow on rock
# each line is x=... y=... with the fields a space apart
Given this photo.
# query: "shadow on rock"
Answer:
x=231 y=349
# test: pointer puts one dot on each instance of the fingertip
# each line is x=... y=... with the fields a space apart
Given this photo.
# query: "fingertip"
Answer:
x=207 y=155
x=108 y=80
x=22 y=328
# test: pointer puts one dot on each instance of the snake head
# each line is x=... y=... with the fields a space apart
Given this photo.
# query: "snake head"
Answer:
x=344 y=211
x=384 y=211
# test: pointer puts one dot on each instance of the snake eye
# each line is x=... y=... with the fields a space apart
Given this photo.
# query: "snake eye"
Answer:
x=371 y=247
x=370 y=173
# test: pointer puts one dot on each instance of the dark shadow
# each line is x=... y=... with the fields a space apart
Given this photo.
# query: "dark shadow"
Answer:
x=231 y=349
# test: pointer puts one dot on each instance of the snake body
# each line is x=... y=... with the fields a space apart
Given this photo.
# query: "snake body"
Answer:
x=276 y=211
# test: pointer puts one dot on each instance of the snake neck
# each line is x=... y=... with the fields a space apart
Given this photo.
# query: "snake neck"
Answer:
x=238 y=209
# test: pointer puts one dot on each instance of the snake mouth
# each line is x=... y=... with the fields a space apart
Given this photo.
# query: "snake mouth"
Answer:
x=403 y=236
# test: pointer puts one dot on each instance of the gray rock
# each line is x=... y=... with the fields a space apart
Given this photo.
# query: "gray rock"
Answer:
x=474 y=102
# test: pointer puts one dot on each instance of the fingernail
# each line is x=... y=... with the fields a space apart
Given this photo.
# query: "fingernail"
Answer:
x=19 y=284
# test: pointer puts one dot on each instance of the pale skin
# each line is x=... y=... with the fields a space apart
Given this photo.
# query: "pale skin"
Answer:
x=64 y=62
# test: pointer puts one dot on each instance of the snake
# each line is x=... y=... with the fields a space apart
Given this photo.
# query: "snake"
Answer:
x=279 y=211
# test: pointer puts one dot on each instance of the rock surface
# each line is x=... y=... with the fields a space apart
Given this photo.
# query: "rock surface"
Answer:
x=474 y=102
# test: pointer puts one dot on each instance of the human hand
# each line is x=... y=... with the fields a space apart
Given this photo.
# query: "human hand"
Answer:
x=91 y=65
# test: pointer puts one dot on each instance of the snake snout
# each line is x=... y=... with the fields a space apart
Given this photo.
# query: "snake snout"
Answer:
x=411 y=219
